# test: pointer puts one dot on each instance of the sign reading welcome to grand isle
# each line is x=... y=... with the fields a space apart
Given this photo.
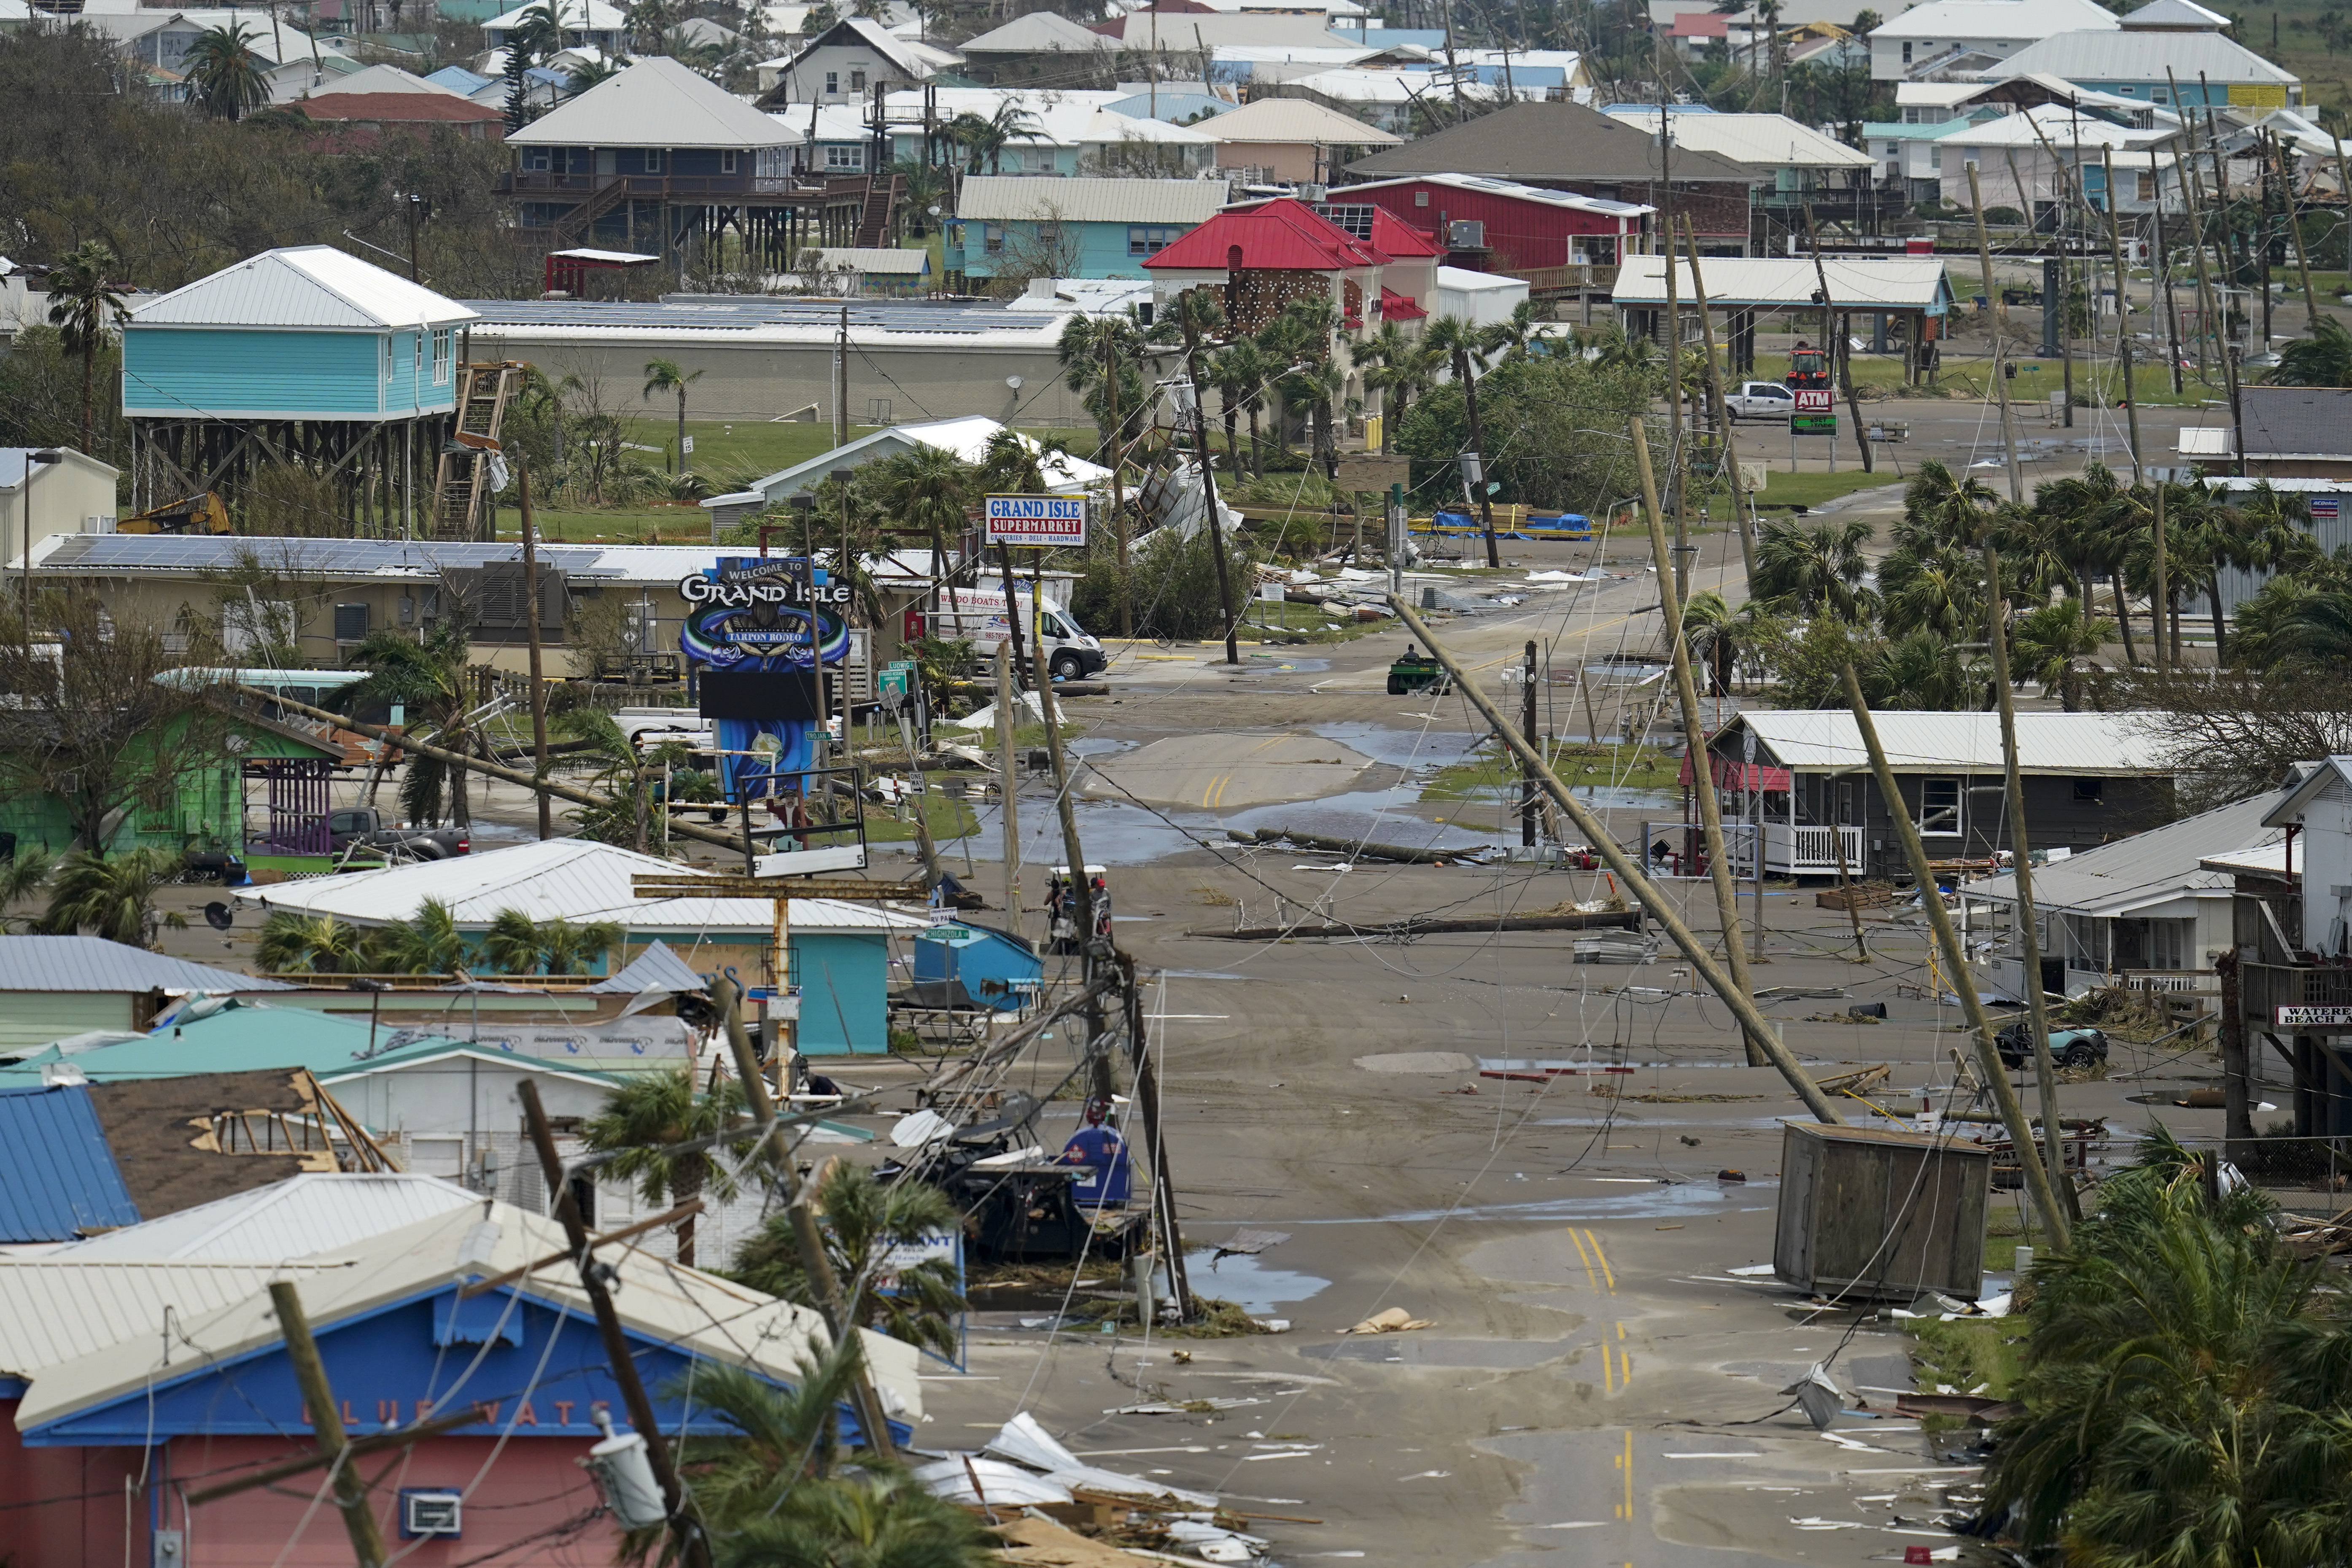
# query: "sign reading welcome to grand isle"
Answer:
x=1044 y=521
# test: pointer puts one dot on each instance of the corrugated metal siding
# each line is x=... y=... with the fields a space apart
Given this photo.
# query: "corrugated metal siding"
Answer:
x=310 y=1213
x=93 y=963
x=36 y=1018
x=57 y=1175
x=178 y=372
x=2330 y=533
x=52 y=1311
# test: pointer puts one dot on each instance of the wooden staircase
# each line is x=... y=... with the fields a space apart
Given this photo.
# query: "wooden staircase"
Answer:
x=882 y=197
x=573 y=226
x=463 y=498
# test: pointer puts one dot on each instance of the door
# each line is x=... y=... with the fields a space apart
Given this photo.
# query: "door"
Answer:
x=605 y=167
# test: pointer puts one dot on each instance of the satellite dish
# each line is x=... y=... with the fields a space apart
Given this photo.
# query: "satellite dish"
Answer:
x=219 y=916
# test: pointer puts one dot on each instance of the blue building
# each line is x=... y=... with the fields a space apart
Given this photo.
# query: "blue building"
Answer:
x=978 y=967
x=306 y=354
x=1046 y=227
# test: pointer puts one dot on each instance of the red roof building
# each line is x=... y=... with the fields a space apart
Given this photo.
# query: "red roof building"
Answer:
x=1497 y=226
x=377 y=111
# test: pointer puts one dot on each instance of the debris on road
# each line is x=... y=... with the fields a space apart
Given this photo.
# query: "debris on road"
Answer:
x=1396 y=1320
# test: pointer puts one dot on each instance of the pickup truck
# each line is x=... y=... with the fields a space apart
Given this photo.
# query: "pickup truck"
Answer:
x=363 y=828
x=1759 y=400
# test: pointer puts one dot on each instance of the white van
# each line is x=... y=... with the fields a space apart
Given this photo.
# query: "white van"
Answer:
x=976 y=615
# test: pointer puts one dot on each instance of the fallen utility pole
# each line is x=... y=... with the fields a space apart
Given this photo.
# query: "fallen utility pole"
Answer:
x=1956 y=961
x=327 y=1422
x=2000 y=363
x=1726 y=448
x=814 y=1259
x=393 y=738
x=1710 y=811
x=1637 y=882
x=538 y=676
x=1155 y=1147
x=2045 y=1072
x=1406 y=929
x=693 y=1548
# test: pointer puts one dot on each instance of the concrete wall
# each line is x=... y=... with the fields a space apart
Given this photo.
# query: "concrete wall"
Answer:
x=763 y=379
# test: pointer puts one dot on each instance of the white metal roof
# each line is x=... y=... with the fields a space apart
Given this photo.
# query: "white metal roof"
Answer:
x=1767 y=141
x=1384 y=87
x=2061 y=127
x=314 y=1211
x=1487 y=184
x=656 y=102
x=880 y=259
x=899 y=52
x=54 y=1309
x=1039 y=32
x=698 y=1313
x=1952 y=21
x=2176 y=14
x=574 y=879
x=586 y=16
x=2148 y=869
x=1300 y=119
x=992 y=198
x=302 y=286
x=2082 y=744
x=2099 y=54
x=1895 y=283
x=91 y=963
x=390 y=79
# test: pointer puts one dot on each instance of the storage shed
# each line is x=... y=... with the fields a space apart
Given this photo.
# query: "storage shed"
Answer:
x=1880 y=1215
x=974 y=966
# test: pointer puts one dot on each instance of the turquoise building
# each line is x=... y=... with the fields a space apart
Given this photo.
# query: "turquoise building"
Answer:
x=307 y=356
x=1043 y=226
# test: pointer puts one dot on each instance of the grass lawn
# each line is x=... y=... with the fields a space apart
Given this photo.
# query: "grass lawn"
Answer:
x=730 y=454
x=1783 y=489
x=1576 y=763
x=947 y=819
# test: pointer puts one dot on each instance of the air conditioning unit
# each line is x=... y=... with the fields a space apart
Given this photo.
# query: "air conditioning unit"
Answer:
x=424 y=1513
x=1466 y=234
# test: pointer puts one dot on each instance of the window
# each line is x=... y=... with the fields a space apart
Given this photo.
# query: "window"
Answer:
x=653 y=160
x=833 y=84
x=1149 y=239
x=387 y=356
x=1907 y=54
x=992 y=240
x=441 y=357
x=839 y=157
x=1420 y=198
x=1935 y=158
x=726 y=163
x=534 y=159
x=2147 y=190
x=858 y=81
x=417 y=345
x=2090 y=791
x=1049 y=233
x=1939 y=807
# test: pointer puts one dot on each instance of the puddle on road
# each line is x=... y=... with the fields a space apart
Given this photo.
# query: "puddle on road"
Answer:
x=1377 y=814
x=1099 y=746
x=1114 y=833
x=1399 y=748
x=1250 y=1283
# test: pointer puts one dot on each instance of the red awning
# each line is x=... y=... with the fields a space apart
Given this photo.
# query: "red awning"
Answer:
x=1740 y=778
x=1396 y=307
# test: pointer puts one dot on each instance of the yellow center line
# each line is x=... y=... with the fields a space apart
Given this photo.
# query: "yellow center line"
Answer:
x=1579 y=1243
x=1628 y=1474
x=1606 y=1271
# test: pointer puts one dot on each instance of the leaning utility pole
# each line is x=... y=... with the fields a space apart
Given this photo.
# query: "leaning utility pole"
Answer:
x=1700 y=759
x=1676 y=565
x=1956 y=961
x=2122 y=311
x=326 y=1423
x=1008 y=792
x=2029 y=933
x=1840 y=356
x=814 y=1261
x=1656 y=903
x=693 y=1548
x=1727 y=453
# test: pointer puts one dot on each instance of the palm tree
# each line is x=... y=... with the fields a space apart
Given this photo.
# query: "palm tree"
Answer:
x=2183 y=1381
x=863 y=1222
x=310 y=944
x=1515 y=337
x=1464 y=346
x=926 y=487
x=2323 y=359
x=1242 y=373
x=630 y=779
x=1713 y=633
x=426 y=942
x=2101 y=520
x=227 y=74
x=1943 y=507
x=650 y=1112
x=664 y=376
x=428 y=677
x=21 y=876
x=83 y=306
x=1807 y=571
x=1101 y=359
x=1938 y=589
x=517 y=944
x=2045 y=643
x=647 y=20
x=113 y=899
x=772 y=1496
x=587 y=74
x=1922 y=671
x=1620 y=348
